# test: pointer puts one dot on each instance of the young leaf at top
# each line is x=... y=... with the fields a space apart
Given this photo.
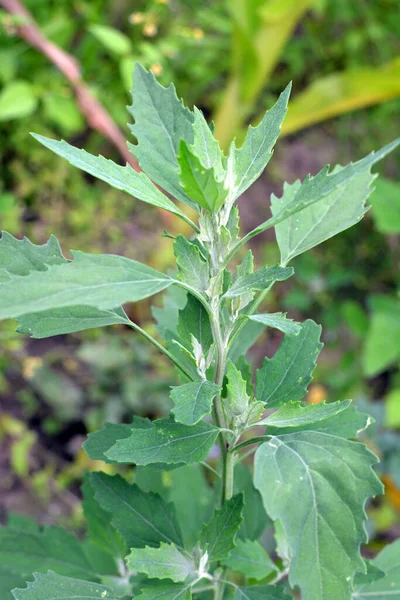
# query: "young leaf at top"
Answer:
x=237 y=396
x=285 y=377
x=53 y=586
x=218 y=537
x=165 y=562
x=161 y=121
x=278 y=321
x=141 y=518
x=250 y=558
x=388 y=586
x=259 y=280
x=167 y=442
x=193 y=269
x=316 y=486
x=193 y=401
x=206 y=147
x=125 y=178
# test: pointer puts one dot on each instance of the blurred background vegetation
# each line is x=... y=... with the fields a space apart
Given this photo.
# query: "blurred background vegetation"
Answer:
x=231 y=58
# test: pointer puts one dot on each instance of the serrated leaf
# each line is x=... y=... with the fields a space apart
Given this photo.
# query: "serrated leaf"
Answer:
x=53 y=586
x=337 y=211
x=102 y=281
x=259 y=280
x=141 y=518
x=261 y=592
x=165 y=592
x=193 y=320
x=388 y=586
x=255 y=518
x=165 y=562
x=161 y=121
x=295 y=414
x=193 y=401
x=200 y=182
x=193 y=269
x=237 y=397
x=248 y=162
x=167 y=442
x=98 y=442
x=278 y=321
x=206 y=147
x=125 y=178
x=330 y=479
x=250 y=558
x=20 y=257
x=285 y=376
x=218 y=537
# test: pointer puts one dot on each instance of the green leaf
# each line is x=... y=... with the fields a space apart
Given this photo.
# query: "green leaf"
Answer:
x=382 y=344
x=385 y=205
x=98 y=442
x=199 y=182
x=206 y=147
x=141 y=518
x=125 y=178
x=335 y=212
x=218 y=537
x=53 y=586
x=255 y=519
x=165 y=592
x=237 y=397
x=261 y=592
x=194 y=321
x=17 y=100
x=193 y=401
x=161 y=121
x=278 y=321
x=285 y=377
x=9 y=581
x=103 y=281
x=259 y=280
x=193 y=269
x=388 y=586
x=316 y=486
x=166 y=441
x=111 y=38
x=294 y=414
x=20 y=257
x=248 y=162
x=165 y=562
x=246 y=338
x=250 y=558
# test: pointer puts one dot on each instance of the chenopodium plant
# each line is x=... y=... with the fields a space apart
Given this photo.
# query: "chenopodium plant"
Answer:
x=184 y=534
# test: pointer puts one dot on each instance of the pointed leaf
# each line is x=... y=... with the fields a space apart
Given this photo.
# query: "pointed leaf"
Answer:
x=259 y=280
x=165 y=562
x=388 y=586
x=193 y=320
x=20 y=257
x=167 y=442
x=237 y=397
x=165 y=592
x=141 y=518
x=285 y=377
x=250 y=558
x=53 y=586
x=294 y=414
x=278 y=321
x=193 y=269
x=125 y=178
x=218 y=537
x=331 y=479
x=261 y=592
x=206 y=147
x=193 y=401
x=161 y=121
x=98 y=442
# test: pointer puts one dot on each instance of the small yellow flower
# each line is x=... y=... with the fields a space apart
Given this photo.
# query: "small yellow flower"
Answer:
x=136 y=18
x=198 y=33
x=31 y=365
x=162 y=1
x=150 y=30
x=156 y=68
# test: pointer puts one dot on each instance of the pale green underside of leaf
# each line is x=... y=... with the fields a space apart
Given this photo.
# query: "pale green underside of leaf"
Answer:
x=56 y=587
x=330 y=479
x=20 y=257
x=165 y=562
x=161 y=121
x=141 y=518
x=193 y=401
x=337 y=211
x=125 y=178
x=206 y=147
x=285 y=376
x=193 y=269
x=237 y=397
x=218 y=537
x=278 y=321
x=261 y=592
x=250 y=558
x=259 y=280
x=387 y=587
x=166 y=592
x=294 y=414
x=166 y=441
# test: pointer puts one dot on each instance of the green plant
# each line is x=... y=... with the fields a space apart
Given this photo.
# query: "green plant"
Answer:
x=310 y=478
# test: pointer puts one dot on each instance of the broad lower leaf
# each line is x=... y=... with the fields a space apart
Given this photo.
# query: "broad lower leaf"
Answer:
x=53 y=586
x=261 y=592
x=245 y=164
x=165 y=592
x=255 y=519
x=250 y=558
x=102 y=281
x=316 y=486
x=294 y=414
x=125 y=178
x=161 y=121
x=199 y=182
x=141 y=518
x=165 y=562
x=166 y=441
x=285 y=376
x=193 y=401
x=388 y=586
x=259 y=280
x=218 y=537
x=335 y=212
x=278 y=321
x=194 y=321
x=193 y=269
